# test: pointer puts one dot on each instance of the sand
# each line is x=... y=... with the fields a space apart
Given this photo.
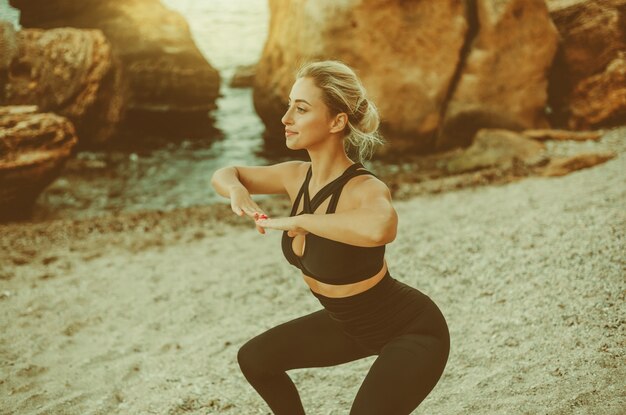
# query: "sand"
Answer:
x=143 y=313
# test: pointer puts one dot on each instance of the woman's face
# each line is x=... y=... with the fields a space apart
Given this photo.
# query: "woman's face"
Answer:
x=307 y=120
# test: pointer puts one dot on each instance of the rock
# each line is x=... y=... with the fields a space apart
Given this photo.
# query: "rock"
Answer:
x=560 y=4
x=591 y=33
x=70 y=72
x=405 y=52
x=601 y=99
x=8 y=49
x=589 y=66
x=8 y=44
x=18 y=109
x=503 y=82
x=562 y=135
x=165 y=69
x=566 y=165
x=33 y=150
x=244 y=77
x=497 y=148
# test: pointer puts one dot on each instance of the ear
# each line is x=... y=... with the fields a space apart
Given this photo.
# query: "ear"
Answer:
x=339 y=122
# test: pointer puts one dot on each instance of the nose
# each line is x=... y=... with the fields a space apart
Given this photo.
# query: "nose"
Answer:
x=286 y=120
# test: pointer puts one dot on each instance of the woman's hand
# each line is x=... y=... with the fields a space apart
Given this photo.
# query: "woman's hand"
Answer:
x=290 y=224
x=241 y=203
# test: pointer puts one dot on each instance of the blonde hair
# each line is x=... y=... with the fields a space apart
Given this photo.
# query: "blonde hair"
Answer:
x=342 y=91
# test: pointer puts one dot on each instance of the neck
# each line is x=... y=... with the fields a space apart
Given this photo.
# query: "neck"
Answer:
x=328 y=163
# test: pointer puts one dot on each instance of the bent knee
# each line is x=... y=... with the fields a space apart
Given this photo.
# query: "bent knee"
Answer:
x=246 y=356
x=253 y=358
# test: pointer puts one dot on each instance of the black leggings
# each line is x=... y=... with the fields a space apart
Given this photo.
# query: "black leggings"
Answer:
x=396 y=322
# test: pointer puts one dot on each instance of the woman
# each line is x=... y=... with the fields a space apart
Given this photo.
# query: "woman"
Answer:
x=338 y=243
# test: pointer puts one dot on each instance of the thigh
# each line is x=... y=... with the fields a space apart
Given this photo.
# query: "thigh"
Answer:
x=314 y=340
x=404 y=373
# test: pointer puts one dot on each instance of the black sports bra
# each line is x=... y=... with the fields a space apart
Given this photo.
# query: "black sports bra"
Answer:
x=329 y=261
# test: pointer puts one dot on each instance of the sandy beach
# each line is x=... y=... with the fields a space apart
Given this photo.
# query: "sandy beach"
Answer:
x=143 y=313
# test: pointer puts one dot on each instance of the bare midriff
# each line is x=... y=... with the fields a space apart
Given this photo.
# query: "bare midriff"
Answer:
x=344 y=290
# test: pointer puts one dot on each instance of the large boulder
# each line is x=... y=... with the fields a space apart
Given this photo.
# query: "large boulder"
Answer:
x=503 y=81
x=497 y=148
x=165 y=69
x=67 y=71
x=33 y=149
x=406 y=53
x=587 y=87
x=8 y=50
x=601 y=99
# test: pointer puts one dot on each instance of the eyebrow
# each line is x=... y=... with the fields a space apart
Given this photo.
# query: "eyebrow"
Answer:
x=301 y=100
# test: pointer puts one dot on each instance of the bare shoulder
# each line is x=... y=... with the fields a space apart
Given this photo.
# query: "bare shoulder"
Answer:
x=369 y=191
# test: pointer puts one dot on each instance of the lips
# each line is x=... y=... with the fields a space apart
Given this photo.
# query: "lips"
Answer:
x=289 y=133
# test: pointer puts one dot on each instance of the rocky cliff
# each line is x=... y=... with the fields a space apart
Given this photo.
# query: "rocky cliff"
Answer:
x=440 y=71
x=166 y=72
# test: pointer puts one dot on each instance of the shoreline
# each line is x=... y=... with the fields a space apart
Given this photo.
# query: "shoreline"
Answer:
x=99 y=185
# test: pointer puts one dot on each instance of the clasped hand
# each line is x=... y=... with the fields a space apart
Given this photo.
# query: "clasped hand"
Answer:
x=242 y=203
x=289 y=224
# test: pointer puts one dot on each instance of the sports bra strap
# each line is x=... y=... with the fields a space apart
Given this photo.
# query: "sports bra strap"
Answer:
x=333 y=188
x=304 y=186
x=311 y=205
